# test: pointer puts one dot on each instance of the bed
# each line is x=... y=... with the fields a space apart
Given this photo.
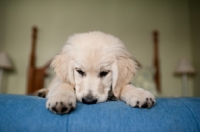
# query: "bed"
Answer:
x=148 y=77
x=22 y=113
x=26 y=113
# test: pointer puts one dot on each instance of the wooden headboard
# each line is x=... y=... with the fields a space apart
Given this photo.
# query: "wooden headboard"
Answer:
x=36 y=75
x=156 y=62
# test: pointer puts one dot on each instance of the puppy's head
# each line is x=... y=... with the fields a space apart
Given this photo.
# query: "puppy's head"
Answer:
x=96 y=64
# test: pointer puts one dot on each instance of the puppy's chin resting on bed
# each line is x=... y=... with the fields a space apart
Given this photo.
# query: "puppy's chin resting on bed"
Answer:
x=91 y=68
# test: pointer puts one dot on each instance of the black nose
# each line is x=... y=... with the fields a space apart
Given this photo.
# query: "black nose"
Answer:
x=89 y=100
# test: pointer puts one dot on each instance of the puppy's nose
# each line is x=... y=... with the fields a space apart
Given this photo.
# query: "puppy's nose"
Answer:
x=89 y=100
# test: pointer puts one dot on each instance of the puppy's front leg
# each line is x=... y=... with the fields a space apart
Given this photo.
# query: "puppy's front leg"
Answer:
x=137 y=97
x=61 y=99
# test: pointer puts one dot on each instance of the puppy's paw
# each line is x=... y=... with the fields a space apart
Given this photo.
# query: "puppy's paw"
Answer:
x=42 y=93
x=138 y=97
x=61 y=103
x=142 y=99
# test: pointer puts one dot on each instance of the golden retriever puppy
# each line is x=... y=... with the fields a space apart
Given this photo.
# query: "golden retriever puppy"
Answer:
x=92 y=68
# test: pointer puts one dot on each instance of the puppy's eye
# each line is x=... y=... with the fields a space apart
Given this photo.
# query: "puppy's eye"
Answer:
x=80 y=72
x=103 y=73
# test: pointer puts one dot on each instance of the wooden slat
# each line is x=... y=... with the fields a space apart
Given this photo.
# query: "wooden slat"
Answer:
x=156 y=61
x=36 y=75
x=31 y=65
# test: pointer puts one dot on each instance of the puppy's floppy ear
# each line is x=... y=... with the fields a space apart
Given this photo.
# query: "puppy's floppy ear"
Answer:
x=126 y=68
x=62 y=65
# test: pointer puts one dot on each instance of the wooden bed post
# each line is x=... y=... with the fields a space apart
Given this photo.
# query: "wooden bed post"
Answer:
x=31 y=65
x=36 y=75
x=156 y=61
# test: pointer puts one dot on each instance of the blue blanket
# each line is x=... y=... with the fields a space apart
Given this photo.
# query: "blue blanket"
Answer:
x=20 y=113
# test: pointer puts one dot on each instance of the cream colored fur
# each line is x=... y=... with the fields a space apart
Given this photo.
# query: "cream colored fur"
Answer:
x=94 y=54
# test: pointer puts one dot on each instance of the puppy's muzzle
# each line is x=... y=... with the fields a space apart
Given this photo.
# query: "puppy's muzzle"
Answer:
x=89 y=99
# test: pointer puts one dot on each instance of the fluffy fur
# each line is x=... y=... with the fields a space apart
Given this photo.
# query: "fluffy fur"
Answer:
x=91 y=68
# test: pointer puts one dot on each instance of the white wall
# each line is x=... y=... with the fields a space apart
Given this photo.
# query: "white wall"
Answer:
x=195 y=37
x=130 y=20
x=2 y=24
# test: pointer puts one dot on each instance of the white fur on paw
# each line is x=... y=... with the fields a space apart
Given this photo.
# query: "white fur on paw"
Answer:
x=61 y=103
x=141 y=98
